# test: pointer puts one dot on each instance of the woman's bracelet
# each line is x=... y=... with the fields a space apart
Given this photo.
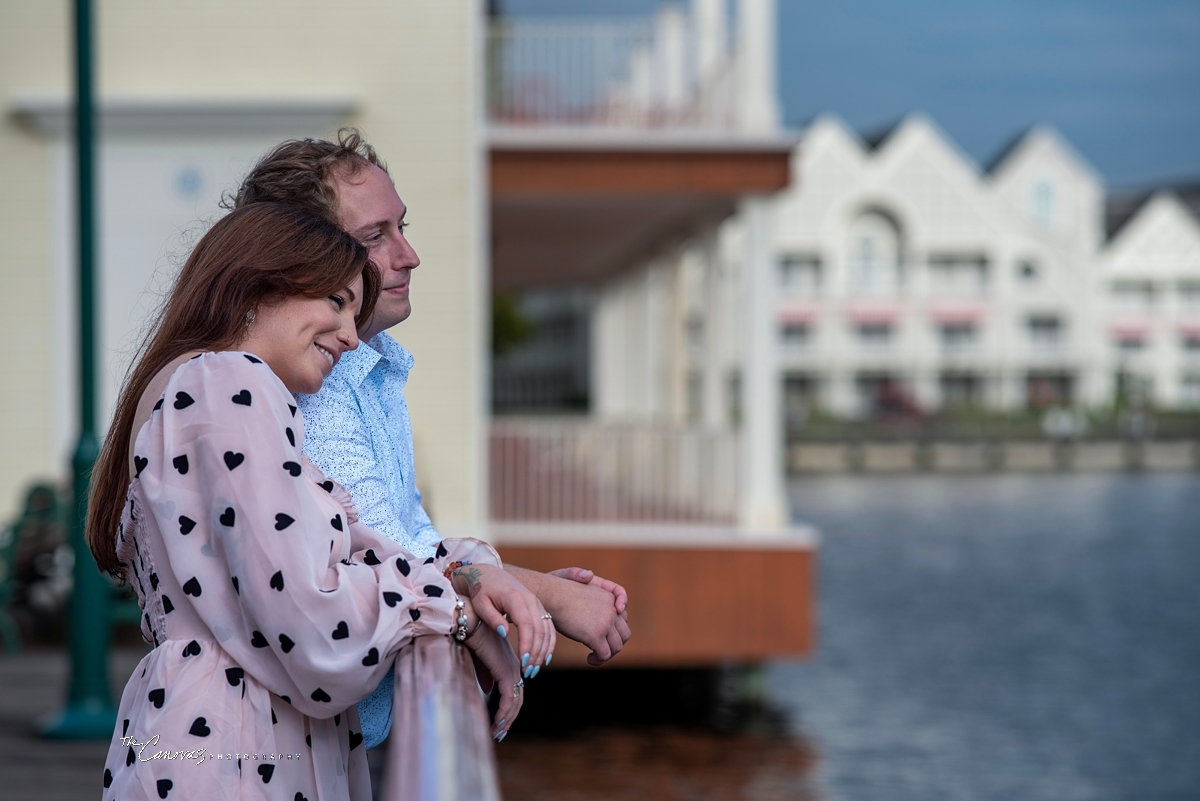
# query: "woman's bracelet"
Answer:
x=450 y=569
x=460 y=609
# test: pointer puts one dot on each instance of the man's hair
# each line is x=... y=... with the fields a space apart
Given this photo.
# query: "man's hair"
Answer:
x=300 y=173
x=260 y=254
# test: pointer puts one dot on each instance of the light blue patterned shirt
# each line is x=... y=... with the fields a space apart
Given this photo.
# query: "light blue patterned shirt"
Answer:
x=357 y=430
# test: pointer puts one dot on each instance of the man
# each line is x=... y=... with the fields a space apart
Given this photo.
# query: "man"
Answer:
x=357 y=427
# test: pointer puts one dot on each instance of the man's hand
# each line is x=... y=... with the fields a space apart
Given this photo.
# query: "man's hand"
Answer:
x=584 y=606
x=585 y=576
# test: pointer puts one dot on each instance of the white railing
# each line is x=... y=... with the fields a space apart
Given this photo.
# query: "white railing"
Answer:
x=604 y=73
x=576 y=470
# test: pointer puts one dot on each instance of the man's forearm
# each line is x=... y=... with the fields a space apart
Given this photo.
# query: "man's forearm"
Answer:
x=534 y=581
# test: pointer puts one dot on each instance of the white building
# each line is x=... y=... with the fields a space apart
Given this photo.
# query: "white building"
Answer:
x=910 y=279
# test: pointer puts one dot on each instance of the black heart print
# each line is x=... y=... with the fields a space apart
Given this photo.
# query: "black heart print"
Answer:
x=192 y=587
x=139 y=464
x=181 y=464
x=186 y=524
x=292 y=467
x=402 y=565
x=258 y=640
x=336 y=522
x=265 y=771
x=200 y=728
x=242 y=398
x=168 y=607
x=183 y=400
x=286 y=643
x=157 y=697
x=234 y=675
x=291 y=437
x=282 y=521
x=277 y=581
x=191 y=649
x=372 y=658
x=370 y=558
x=356 y=739
x=342 y=631
x=251 y=359
x=392 y=598
x=227 y=517
x=321 y=696
x=232 y=460
x=433 y=592
x=164 y=787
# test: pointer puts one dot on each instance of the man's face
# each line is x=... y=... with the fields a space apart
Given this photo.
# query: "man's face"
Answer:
x=370 y=210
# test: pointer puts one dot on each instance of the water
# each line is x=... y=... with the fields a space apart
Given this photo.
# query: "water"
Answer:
x=1002 y=637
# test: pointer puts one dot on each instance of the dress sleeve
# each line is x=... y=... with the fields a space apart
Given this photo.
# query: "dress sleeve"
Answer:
x=299 y=597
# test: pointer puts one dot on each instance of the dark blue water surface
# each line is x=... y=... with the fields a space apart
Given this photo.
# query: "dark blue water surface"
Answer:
x=1003 y=637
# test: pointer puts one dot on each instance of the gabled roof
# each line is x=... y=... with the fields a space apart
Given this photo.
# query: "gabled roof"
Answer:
x=1007 y=150
x=1120 y=208
x=875 y=138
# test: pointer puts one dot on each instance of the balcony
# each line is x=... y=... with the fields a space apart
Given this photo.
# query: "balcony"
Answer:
x=635 y=75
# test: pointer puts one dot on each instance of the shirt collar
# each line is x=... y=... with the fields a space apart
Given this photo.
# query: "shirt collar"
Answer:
x=394 y=353
x=355 y=365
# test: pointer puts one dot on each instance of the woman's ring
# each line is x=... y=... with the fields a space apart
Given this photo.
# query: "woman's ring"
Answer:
x=547 y=616
x=517 y=688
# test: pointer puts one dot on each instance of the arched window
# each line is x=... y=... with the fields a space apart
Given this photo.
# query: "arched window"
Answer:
x=875 y=255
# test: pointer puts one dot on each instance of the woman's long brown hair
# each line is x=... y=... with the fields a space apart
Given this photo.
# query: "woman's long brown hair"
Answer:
x=260 y=253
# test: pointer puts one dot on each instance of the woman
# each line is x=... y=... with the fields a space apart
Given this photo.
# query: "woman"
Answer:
x=271 y=609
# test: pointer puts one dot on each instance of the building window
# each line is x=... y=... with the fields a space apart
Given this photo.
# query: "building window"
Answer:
x=874 y=335
x=1045 y=331
x=1028 y=271
x=1132 y=297
x=1131 y=344
x=796 y=335
x=961 y=389
x=1189 y=295
x=800 y=275
x=799 y=398
x=957 y=336
x=875 y=255
x=1189 y=390
x=1043 y=203
x=958 y=275
x=1044 y=389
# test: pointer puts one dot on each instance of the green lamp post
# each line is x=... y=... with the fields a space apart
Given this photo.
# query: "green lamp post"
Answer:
x=89 y=713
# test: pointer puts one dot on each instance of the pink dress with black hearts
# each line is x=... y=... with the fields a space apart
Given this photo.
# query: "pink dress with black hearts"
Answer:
x=272 y=610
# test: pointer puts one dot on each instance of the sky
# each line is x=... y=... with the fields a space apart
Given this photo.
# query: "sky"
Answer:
x=1120 y=80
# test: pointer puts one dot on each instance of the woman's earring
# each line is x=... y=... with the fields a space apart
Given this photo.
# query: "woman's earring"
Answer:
x=250 y=318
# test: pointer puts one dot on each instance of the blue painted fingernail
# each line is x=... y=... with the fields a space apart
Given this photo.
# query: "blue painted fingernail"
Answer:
x=536 y=670
x=528 y=673
x=525 y=660
x=501 y=723
x=500 y=737
x=548 y=658
x=503 y=632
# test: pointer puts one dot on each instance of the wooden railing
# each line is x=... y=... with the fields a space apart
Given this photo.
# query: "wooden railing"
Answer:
x=577 y=470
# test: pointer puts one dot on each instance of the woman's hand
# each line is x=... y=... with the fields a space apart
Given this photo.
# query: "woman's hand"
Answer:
x=494 y=594
x=496 y=656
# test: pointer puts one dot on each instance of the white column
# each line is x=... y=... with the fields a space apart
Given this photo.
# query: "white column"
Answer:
x=708 y=16
x=671 y=45
x=758 y=100
x=716 y=416
x=763 y=503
